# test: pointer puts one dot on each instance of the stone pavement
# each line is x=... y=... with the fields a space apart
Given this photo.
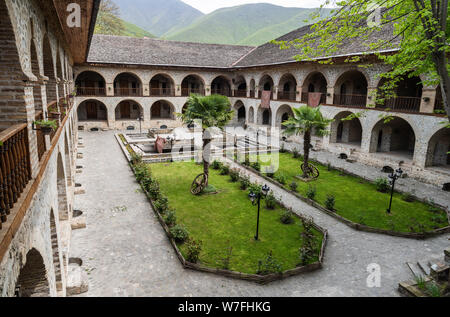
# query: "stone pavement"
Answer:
x=126 y=252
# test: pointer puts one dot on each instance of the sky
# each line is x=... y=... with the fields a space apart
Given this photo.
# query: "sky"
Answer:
x=207 y=6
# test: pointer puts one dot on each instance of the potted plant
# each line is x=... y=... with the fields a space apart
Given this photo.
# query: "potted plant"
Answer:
x=46 y=126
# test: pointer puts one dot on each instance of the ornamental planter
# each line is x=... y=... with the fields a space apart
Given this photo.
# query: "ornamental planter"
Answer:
x=46 y=130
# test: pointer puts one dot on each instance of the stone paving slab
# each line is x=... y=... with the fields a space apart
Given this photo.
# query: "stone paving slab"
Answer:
x=126 y=253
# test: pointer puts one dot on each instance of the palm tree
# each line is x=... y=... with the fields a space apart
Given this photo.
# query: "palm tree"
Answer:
x=213 y=111
x=304 y=121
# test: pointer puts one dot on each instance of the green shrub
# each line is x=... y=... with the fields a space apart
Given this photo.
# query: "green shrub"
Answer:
x=210 y=189
x=193 y=250
x=439 y=218
x=271 y=201
x=170 y=218
x=179 y=233
x=136 y=158
x=224 y=170
x=309 y=248
x=153 y=189
x=256 y=166
x=216 y=165
x=142 y=172
x=330 y=202
x=287 y=217
x=281 y=178
x=161 y=204
x=234 y=175
x=227 y=258
x=269 y=265
x=293 y=186
x=311 y=192
x=254 y=188
x=245 y=182
x=382 y=185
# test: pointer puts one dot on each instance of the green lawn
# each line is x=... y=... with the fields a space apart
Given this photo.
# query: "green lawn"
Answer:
x=359 y=201
x=228 y=219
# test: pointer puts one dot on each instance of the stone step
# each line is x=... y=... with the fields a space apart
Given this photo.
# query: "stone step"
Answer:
x=415 y=269
x=77 y=280
x=424 y=266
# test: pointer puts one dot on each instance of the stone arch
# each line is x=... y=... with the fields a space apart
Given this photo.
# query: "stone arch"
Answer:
x=32 y=280
x=162 y=109
x=92 y=110
x=128 y=110
x=127 y=84
x=351 y=89
x=346 y=131
x=240 y=115
x=49 y=70
x=283 y=114
x=90 y=83
x=438 y=149
x=251 y=115
x=407 y=95
x=162 y=85
x=266 y=83
x=252 y=87
x=192 y=84
x=55 y=252
x=63 y=210
x=264 y=116
x=287 y=87
x=67 y=159
x=396 y=136
x=315 y=82
x=221 y=85
x=241 y=85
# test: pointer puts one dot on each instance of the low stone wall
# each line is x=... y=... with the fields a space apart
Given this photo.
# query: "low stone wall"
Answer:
x=261 y=279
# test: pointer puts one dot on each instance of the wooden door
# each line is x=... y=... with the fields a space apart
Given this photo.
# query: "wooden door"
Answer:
x=156 y=111
x=125 y=112
x=91 y=110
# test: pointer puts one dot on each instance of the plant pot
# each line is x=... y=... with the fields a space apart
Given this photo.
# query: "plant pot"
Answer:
x=46 y=130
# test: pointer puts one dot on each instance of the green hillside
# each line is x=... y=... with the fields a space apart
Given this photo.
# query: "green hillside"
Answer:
x=135 y=31
x=251 y=24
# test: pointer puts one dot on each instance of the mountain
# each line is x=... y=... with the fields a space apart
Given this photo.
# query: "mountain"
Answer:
x=135 y=31
x=158 y=16
x=251 y=24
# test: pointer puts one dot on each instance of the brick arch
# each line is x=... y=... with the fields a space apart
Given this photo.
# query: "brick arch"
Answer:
x=312 y=73
x=438 y=148
x=157 y=113
x=55 y=252
x=33 y=278
x=334 y=79
x=240 y=113
x=281 y=113
x=251 y=114
x=346 y=131
x=131 y=113
x=61 y=181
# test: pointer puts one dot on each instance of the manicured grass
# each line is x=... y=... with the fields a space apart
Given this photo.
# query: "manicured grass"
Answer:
x=359 y=201
x=228 y=219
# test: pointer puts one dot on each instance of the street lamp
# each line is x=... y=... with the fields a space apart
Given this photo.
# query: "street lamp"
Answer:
x=393 y=177
x=140 y=119
x=256 y=200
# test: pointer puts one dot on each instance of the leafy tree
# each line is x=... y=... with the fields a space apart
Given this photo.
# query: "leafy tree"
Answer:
x=304 y=121
x=212 y=111
x=108 y=21
x=421 y=30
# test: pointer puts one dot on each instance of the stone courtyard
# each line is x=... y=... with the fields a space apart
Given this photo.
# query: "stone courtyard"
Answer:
x=125 y=251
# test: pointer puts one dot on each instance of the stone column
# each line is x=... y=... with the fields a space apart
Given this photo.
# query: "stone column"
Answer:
x=298 y=96
x=428 y=100
x=32 y=139
x=275 y=92
x=110 y=89
x=178 y=91
x=371 y=97
x=330 y=95
x=207 y=90
x=146 y=90
x=420 y=153
x=111 y=118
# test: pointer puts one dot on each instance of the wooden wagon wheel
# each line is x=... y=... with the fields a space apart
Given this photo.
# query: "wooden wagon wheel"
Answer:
x=311 y=171
x=199 y=184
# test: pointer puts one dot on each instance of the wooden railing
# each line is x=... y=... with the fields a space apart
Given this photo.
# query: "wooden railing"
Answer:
x=89 y=91
x=408 y=104
x=350 y=100
x=162 y=92
x=287 y=95
x=128 y=92
x=40 y=137
x=252 y=93
x=240 y=93
x=305 y=97
x=15 y=167
x=223 y=92
x=186 y=92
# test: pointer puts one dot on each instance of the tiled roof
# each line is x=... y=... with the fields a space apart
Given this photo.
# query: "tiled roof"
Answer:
x=141 y=51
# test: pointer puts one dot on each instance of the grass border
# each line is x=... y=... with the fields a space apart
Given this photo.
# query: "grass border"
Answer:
x=261 y=279
x=351 y=224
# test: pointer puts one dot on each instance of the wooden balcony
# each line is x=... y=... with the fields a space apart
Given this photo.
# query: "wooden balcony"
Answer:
x=287 y=95
x=260 y=95
x=41 y=147
x=305 y=97
x=128 y=92
x=86 y=91
x=359 y=101
x=15 y=166
x=407 y=104
x=162 y=92
x=186 y=92
x=223 y=92
x=252 y=94
x=240 y=93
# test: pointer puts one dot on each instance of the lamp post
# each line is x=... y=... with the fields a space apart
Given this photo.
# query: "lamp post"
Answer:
x=393 y=178
x=140 y=119
x=256 y=200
